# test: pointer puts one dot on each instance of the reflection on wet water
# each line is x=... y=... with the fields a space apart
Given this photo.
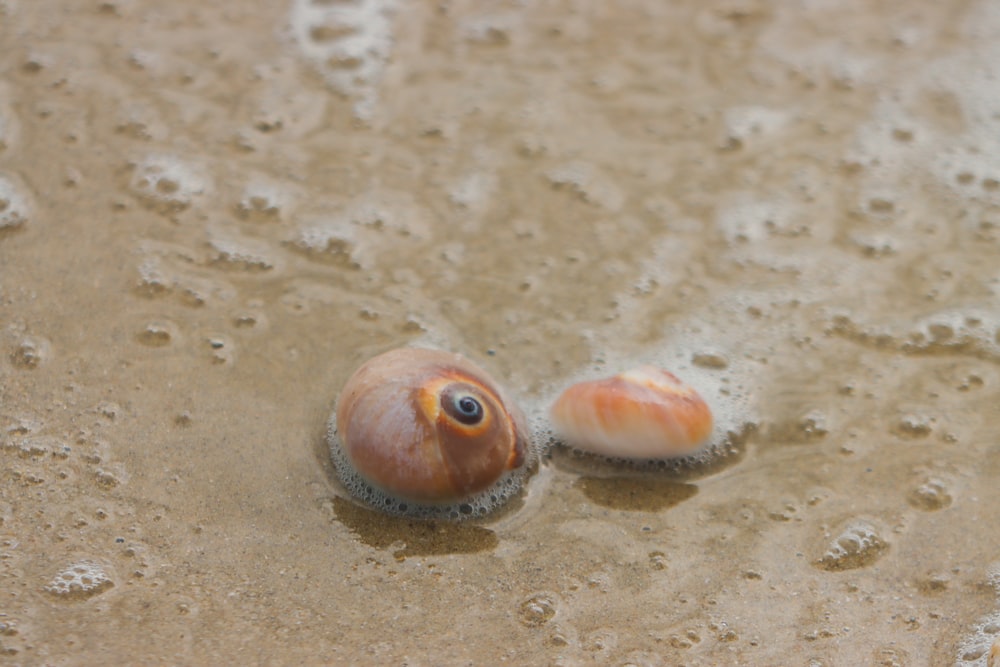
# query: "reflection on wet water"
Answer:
x=635 y=495
x=412 y=537
x=211 y=213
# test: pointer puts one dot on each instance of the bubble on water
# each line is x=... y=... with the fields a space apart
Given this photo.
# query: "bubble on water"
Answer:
x=153 y=279
x=349 y=42
x=108 y=409
x=391 y=211
x=689 y=639
x=452 y=253
x=473 y=191
x=493 y=30
x=24 y=425
x=881 y=204
x=858 y=544
x=743 y=125
x=812 y=425
x=35 y=448
x=80 y=581
x=600 y=644
x=932 y=494
x=234 y=251
x=167 y=267
x=659 y=269
x=934 y=583
x=263 y=200
x=109 y=478
x=538 y=609
x=250 y=319
x=587 y=181
x=142 y=121
x=166 y=183
x=710 y=359
x=890 y=141
x=890 y=656
x=953 y=331
x=14 y=210
x=157 y=334
x=281 y=110
x=970 y=382
x=970 y=333
x=875 y=245
x=745 y=218
x=196 y=291
x=981 y=648
x=820 y=60
x=334 y=240
x=962 y=86
x=970 y=173
x=31 y=352
x=914 y=425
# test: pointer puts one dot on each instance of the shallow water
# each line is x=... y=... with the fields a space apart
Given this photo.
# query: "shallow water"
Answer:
x=211 y=213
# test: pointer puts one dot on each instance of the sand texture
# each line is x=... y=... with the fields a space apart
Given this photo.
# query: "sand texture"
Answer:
x=212 y=212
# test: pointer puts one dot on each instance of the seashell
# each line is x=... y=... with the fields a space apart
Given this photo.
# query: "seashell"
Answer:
x=425 y=426
x=645 y=413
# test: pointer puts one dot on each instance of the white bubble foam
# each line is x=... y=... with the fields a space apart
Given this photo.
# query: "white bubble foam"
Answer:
x=168 y=183
x=233 y=250
x=745 y=124
x=31 y=352
x=474 y=507
x=474 y=191
x=264 y=199
x=82 y=579
x=747 y=218
x=857 y=545
x=13 y=204
x=349 y=43
x=981 y=647
x=589 y=183
x=971 y=332
x=978 y=648
x=336 y=239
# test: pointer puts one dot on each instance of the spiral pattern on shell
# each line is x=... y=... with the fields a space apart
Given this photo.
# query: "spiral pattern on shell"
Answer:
x=417 y=427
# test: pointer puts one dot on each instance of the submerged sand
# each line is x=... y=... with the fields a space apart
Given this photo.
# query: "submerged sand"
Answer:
x=211 y=213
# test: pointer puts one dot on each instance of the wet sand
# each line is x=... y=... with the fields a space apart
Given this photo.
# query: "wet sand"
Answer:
x=211 y=213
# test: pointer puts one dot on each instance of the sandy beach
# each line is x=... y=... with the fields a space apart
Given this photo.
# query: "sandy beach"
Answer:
x=212 y=213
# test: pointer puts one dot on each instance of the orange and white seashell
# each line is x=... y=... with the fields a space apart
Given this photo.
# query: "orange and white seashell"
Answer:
x=426 y=426
x=645 y=413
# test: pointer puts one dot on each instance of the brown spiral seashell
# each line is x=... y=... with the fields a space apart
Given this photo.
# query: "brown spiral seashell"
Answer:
x=426 y=427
